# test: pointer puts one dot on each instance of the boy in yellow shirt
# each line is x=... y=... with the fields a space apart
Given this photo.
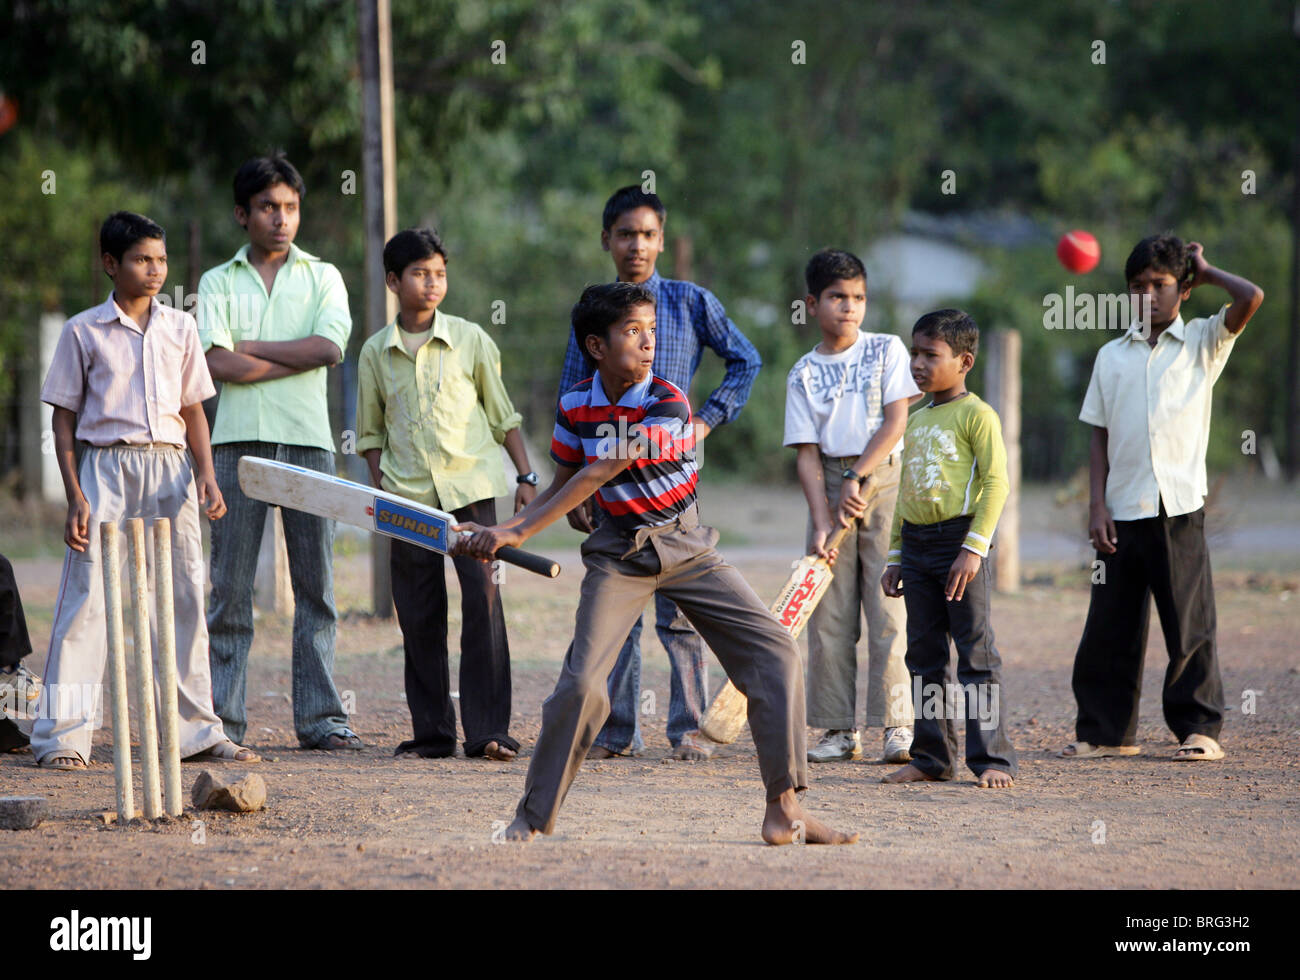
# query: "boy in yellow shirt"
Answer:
x=431 y=412
x=953 y=486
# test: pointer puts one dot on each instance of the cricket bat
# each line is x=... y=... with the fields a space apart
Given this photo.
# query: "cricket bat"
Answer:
x=384 y=513
x=802 y=591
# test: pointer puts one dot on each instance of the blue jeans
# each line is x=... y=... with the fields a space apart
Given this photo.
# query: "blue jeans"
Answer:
x=687 y=688
x=236 y=537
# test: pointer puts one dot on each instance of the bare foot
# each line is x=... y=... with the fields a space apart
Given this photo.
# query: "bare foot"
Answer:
x=520 y=830
x=693 y=748
x=600 y=752
x=908 y=774
x=785 y=822
x=995 y=779
x=500 y=753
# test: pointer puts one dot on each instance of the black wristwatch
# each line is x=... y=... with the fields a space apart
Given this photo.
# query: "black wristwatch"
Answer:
x=850 y=475
x=529 y=478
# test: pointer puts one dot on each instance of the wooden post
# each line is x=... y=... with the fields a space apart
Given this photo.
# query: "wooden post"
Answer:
x=379 y=205
x=1002 y=391
x=272 y=589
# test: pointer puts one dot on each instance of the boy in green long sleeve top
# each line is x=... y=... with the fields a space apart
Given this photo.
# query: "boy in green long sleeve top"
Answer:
x=953 y=486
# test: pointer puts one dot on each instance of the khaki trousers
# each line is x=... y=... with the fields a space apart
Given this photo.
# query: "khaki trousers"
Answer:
x=623 y=572
x=836 y=625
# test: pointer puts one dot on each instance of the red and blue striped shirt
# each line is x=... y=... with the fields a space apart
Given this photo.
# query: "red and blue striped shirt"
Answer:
x=661 y=483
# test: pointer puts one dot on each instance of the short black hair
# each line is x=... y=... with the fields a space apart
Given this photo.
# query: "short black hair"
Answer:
x=956 y=328
x=412 y=245
x=122 y=229
x=600 y=307
x=630 y=198
x=260 y=173
x=1164 y=253
x=829 y=265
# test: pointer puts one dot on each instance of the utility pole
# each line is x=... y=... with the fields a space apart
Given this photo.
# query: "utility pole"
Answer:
x=379 y=179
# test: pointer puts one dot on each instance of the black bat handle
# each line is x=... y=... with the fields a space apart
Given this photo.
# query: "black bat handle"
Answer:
x=528 y=560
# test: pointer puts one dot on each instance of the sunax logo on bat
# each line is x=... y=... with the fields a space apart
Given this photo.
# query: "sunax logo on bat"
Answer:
x=409 y=524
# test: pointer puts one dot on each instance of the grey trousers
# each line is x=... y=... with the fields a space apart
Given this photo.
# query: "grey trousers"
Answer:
x=122 y=482
x=679 y=561
x=836 y=625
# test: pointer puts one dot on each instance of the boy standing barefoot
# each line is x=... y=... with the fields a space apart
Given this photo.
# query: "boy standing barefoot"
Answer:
x=626 y=436
x=953 y=487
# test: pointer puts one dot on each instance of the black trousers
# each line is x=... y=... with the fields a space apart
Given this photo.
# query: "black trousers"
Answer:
x=14 y=645
x=928 y=553
x=14 y=641
x=420 y=596
x=1165 y=558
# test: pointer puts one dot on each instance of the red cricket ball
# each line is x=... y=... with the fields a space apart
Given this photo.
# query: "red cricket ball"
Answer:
x=1078 y=251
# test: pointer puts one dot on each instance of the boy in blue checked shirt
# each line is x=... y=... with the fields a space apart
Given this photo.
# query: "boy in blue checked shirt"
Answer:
x=689 y=318
x=626 y=436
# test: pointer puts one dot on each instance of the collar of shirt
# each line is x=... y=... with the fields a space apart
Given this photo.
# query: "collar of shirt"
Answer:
x=653 y=283
x=110 y=311
x=1175 y=330
x=296 y=254
x=440 y=332
x=632 y=398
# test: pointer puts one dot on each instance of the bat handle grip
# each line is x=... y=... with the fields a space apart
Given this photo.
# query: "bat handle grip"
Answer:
x=836 y=539
x=529 y=561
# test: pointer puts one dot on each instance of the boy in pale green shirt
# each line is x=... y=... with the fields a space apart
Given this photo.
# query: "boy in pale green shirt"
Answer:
x=431 y=413
x=953 y=486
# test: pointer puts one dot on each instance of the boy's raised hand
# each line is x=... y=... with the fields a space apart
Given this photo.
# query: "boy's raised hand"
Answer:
x=892 y=581
x=210 y=497
x=76 y=531
x=965 y=568
x=1196 y=257
x=482 y=542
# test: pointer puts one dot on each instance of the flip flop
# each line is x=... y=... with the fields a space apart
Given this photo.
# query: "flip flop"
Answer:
x=1205 y=748
x=64 y=762
x=226 y=751
x=340 y=740
x=1086 y=750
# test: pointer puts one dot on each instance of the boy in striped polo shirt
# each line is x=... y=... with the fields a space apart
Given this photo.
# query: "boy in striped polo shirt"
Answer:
x=626 y=436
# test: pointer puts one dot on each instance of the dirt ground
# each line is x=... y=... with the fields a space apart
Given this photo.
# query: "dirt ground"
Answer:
x=365 y=820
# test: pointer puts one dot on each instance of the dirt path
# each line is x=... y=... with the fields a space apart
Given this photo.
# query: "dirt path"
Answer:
x=366 y=820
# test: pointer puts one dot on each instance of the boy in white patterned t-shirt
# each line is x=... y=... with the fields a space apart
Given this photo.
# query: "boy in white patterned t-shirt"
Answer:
x=845 y=411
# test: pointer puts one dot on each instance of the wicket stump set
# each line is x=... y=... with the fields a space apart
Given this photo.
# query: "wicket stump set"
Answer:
x=170 y=721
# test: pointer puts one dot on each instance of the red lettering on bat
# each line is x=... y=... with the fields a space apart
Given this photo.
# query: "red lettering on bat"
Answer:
x=792 y=607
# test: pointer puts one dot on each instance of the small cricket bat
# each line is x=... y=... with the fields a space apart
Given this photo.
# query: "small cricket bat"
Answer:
x=384 y=513
x=802 y=591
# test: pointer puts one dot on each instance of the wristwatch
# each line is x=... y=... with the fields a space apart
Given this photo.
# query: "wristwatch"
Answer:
x=851 y=475
x=529 y=478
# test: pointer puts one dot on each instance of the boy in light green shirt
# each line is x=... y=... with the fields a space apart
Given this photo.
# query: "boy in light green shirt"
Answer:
x=272 y=321
x=431 y=414
x=953 y=486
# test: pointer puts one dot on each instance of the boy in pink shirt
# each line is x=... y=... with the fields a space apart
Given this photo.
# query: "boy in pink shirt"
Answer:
x=128 y=378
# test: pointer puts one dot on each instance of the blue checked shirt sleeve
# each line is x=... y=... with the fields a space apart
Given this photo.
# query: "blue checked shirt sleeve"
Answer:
x=575 y=367
x=715 y=329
